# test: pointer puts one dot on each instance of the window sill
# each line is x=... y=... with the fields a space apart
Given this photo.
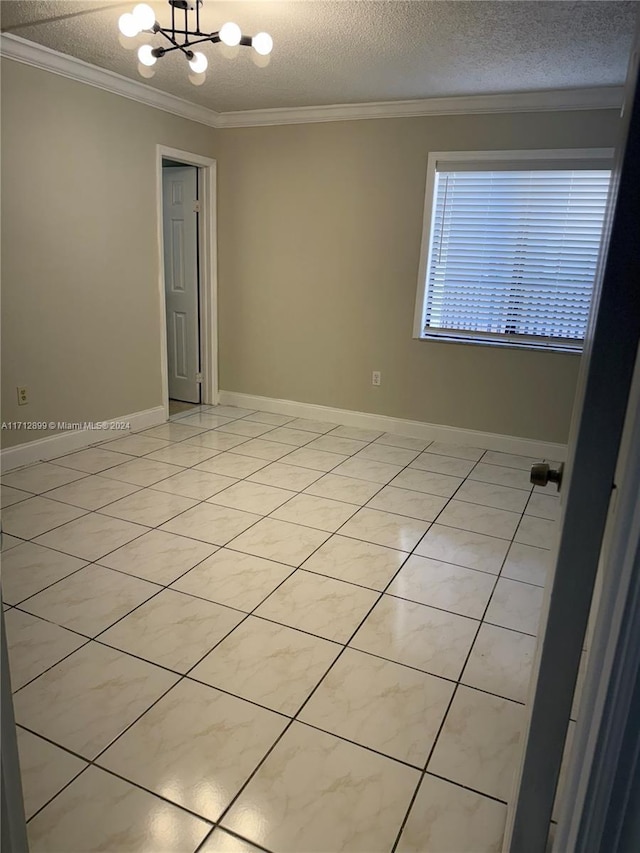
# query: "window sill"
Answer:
x=522 y=345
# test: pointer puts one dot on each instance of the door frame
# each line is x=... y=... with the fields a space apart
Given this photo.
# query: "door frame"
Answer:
x=600 y=803
x=208 y=272
x=14 y=824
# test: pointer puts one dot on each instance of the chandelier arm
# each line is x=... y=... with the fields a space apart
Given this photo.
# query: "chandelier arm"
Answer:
x=174 y=46
x=188 y=53
x=214 y=38
x=170 y=38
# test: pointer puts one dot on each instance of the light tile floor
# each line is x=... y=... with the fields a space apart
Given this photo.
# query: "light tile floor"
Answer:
x=239 y=631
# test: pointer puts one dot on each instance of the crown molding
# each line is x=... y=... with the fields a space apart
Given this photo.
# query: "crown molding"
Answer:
x=31 y=53
x=39 y=56
x=609 y=97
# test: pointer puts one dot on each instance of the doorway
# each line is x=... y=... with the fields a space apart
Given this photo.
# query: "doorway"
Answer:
x=180 y=225
x=187 y=281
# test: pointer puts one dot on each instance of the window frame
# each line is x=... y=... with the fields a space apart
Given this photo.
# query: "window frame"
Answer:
x=517 y=156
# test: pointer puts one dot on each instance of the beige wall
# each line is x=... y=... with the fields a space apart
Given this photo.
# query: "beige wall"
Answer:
x=319 y=236
x=320 y=229
x=80 y=301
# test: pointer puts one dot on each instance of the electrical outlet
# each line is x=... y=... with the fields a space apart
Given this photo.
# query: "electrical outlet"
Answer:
x=22 y=395
x=376 y=378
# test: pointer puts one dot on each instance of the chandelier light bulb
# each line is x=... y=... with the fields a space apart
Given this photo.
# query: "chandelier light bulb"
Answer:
x=230 y=34
x=145 y=16
x=262 y=44
x=199 y=63
x=145 y=55
x=128 y=25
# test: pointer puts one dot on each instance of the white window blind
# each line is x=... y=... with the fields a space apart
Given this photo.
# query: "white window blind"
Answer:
x=513 y=252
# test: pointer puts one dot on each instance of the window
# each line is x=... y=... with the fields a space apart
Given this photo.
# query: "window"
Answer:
x=510 y=246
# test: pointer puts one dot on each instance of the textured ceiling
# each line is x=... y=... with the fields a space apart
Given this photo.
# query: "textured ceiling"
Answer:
x=354 y=52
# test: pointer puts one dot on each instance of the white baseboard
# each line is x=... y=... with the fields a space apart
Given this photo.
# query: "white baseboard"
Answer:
x=415 y=429
x=66 y=442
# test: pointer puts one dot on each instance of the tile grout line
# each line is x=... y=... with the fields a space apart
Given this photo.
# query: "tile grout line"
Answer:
x=94 y=562
x=207 y=500
x=306 y=701
x=91 y=763
x=294 y=570
x=163 y=587
x=294 y=718
x=447 y=712
x=181 y=677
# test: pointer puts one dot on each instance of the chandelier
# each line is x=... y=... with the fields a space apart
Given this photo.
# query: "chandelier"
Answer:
x=180 y=37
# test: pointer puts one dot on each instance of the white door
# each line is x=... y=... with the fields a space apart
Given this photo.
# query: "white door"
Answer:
x=589 y=482
x=180 y=228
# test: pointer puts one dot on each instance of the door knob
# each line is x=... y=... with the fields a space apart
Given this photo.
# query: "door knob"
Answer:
x=542 y=474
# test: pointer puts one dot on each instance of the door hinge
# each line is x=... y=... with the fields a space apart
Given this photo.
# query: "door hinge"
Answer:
x=198 y=377
x=196 y=206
